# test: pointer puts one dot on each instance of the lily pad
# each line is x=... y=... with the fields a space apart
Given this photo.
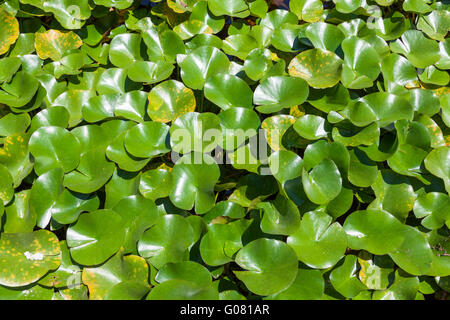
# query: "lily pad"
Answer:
x=271 y=266
x=27 y=257
x=320 y=68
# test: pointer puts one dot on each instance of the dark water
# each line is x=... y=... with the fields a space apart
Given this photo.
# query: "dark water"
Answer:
x=281 y=4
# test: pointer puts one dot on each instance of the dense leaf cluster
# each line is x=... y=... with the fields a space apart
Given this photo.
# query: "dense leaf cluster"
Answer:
x=350 y=201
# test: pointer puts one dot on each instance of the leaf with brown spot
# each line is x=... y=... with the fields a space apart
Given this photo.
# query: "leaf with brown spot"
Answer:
x=55 y=44
x=9 y=30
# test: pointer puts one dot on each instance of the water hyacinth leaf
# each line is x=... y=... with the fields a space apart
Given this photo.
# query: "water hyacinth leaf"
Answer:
x=258 y=63
x=398 y=71
x=362 y=171
x=265 y=274
x=319 y=243
x=20 y=91
x=278 y=92
x=320 y=68
x=119 y=4
x=376 y=272
x=96 y=236
x=227 y=91
x=225 y=209
x=404 y=287
x=391 y=27
x=27 y=257
x=54 y=116
x=167 y=241
x=432 y=75
x=418 y=6
x=435 y=25
x=9 y=66
x=200 y=12
x=66 y=273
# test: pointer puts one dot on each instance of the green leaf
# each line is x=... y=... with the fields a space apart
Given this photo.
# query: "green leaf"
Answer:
x=234 y=8
x=376 y=231
x=54 y=44
x=278 y=92
x=195 y=131
x=96 y=236
x=167 y=241
x=419 y=50
x=307 y=10
x=147 y=139
x=281 y=216
x=271 y=266
x=27 y=257
x=308 y=285
x=227 y=91
x=344 y=278
x=194 y=177
x=9 y=32
x=182 y=290
x=320 y=68
x=202 y=63
x=138 y=214
x=437 y=162
x=319 y=243
x=118 y=269
x=323 y=183
x=54 y=147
